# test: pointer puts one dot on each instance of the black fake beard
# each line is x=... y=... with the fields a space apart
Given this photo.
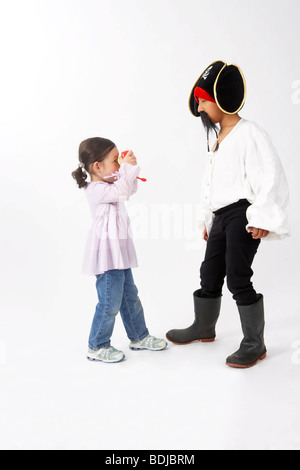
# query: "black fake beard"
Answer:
x=209 y=126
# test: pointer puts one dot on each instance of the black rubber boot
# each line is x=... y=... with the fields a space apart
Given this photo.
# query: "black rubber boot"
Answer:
x=252 y=347
x=207 y=311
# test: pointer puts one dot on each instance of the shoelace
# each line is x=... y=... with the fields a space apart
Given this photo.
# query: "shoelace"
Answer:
x=108 y=352
x=150 y=342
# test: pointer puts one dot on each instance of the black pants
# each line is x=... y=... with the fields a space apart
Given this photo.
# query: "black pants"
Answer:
x=230 y=252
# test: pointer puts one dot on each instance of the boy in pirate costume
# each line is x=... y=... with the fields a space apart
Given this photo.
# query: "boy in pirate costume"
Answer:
x=244 y=198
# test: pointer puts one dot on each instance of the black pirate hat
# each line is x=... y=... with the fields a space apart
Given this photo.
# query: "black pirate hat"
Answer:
x=221 y=83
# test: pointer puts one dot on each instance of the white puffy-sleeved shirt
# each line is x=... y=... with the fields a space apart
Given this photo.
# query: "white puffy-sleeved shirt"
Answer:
x=247 y=166
x=109 y=243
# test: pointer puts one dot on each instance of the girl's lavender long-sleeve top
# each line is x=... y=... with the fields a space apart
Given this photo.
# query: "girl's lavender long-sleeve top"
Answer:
x=109 y=243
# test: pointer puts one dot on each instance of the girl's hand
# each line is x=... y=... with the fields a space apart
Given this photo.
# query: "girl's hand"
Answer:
x=129 y=158
x=258 y=232
x=205 y=235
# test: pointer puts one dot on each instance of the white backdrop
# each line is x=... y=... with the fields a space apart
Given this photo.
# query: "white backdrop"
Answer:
x=123 y=70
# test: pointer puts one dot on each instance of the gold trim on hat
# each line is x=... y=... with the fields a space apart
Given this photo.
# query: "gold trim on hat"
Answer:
x=215 y=90
x=199 y=79
x=215 y=84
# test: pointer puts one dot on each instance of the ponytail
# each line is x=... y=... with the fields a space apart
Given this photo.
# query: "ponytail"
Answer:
x=80 y=176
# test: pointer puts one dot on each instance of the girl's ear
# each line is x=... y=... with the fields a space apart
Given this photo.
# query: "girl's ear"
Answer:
x=96 y=167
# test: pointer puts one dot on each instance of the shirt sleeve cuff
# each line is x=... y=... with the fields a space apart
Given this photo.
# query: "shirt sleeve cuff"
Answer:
x=129 y=171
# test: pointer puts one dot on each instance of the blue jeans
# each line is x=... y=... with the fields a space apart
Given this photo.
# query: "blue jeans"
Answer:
x=117 y=292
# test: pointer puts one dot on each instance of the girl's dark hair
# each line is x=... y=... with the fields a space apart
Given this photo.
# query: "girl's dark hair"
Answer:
x=90 y=151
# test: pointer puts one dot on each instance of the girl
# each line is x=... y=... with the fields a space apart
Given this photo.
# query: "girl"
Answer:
x=244 y=199
x=110 y=253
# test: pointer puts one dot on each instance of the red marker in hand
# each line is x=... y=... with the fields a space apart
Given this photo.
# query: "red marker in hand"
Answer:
x=123 y=154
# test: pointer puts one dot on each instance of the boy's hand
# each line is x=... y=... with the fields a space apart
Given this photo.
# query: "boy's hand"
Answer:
x=129 y=158
x=258 y=232
x=205 y=235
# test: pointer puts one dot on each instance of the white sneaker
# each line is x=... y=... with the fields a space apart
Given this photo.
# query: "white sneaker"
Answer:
x=150 y=342
x=109 y=354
